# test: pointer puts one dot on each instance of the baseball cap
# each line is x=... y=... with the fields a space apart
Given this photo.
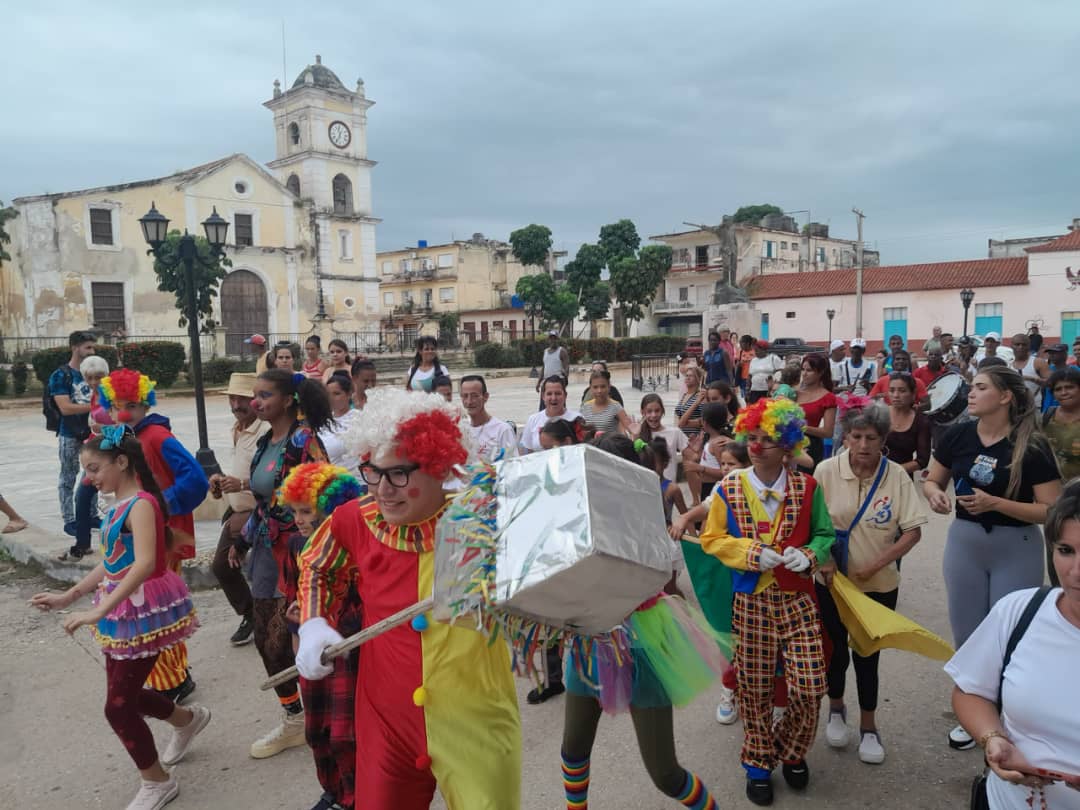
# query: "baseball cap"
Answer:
x=256 y=340
x=762 y=344
x=858 y=343
x=836 y=344
x=1057 y=347
x=994 y=336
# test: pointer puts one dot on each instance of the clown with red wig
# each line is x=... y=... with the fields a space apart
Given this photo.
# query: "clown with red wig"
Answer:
x=435 y=703
x=770 y=526
x=128 y=396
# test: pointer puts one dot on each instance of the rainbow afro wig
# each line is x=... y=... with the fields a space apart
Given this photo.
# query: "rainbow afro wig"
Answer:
x=126 y=385
x=780 y=419
x=422 y=429
x=319 y=485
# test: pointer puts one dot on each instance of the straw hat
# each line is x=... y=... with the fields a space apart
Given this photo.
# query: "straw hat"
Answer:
x=241 y=384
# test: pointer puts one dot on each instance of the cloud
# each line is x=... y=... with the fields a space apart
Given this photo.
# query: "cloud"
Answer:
x=946 y=122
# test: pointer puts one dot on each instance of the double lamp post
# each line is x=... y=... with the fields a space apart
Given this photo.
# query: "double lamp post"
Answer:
x=155 y=228
x=967 y=295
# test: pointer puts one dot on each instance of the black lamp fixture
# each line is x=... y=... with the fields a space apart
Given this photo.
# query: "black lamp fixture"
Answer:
x=830 y=314
x=967 y=295
x=155 y=228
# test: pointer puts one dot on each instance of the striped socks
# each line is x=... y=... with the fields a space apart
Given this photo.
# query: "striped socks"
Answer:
x=694 y=794
x=576 y=783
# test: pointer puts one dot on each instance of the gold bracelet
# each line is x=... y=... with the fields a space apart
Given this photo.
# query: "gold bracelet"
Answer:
x=985 y=738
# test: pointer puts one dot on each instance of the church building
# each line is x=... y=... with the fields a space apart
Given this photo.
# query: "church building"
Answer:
x=301 y=234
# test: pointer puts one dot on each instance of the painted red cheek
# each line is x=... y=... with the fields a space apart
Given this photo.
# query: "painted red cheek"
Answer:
x=414 y=492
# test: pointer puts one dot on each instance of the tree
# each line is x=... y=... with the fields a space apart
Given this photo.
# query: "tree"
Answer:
x=583 y=273
x=634 y=281
x=448 y=328
x=537 y=292
x=208 y=271
x=619 y=240
x=5 y=238
x=531 y=245
x=595 y=302
x=754 y=213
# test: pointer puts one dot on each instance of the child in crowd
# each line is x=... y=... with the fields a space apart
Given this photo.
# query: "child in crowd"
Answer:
x=140 y=609
x=716 y=433
x=772 y=528
x=313 y=491
x=442 y=386
x=651 y=426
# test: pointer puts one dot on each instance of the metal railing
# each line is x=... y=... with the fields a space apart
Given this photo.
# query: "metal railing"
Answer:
x=653 y=372
x=23 y=348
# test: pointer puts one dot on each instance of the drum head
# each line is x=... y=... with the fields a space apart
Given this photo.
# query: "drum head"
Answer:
x=943 y=391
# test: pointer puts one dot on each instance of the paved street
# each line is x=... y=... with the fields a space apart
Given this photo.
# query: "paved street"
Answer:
x=56 y=750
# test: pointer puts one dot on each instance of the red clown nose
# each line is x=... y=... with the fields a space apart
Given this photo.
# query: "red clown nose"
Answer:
x=123 y=416
x=756 y=448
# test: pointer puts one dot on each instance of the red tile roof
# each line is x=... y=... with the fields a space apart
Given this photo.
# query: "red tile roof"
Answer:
x=1070 y=241
x=898 y=278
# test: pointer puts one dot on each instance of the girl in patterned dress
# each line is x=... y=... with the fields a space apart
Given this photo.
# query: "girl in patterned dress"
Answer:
x=140 y=608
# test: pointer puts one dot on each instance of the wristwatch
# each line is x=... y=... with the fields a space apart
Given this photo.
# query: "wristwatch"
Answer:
x=985 y=738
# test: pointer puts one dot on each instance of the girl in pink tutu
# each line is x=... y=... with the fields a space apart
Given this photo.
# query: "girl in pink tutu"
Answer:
x=140 y=608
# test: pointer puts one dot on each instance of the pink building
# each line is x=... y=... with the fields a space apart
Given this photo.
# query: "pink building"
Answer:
x=1011 y=294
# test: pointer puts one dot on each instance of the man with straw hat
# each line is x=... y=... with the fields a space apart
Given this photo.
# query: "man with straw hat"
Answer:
x=237 y=492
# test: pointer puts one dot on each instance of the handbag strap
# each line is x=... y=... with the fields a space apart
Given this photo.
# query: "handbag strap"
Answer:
x=1026 y=618
x=870 y=494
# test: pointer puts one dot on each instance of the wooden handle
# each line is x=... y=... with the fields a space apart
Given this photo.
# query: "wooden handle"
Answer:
x=355 y=640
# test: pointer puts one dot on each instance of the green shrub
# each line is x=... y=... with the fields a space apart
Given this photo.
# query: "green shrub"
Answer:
x=20 y=374
x=217 y=371
x=3 y=381
x=495 y=355
x=160 y=360
x=602 y=349
x=46 y=361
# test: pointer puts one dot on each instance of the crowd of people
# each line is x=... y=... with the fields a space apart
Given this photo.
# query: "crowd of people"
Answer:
x=800 y=474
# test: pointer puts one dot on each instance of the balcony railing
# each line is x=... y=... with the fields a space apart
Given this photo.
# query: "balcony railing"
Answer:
x=677 y=306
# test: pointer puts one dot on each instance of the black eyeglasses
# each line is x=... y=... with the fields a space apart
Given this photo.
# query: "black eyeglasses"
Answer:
x=397 y=476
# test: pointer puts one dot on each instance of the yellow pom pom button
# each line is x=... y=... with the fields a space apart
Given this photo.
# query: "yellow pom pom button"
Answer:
x=419 y=696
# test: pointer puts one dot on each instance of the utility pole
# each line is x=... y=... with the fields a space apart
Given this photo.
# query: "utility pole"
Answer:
x=859 y=217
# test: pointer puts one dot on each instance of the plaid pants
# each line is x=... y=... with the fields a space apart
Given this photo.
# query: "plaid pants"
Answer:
x=766 y=625
x=172 y=664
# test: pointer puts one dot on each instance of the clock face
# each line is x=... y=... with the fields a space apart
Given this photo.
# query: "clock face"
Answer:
x=340 y=135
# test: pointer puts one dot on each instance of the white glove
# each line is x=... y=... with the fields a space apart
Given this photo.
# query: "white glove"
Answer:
x=315 y=636
x=795 y=560
x=769 y=559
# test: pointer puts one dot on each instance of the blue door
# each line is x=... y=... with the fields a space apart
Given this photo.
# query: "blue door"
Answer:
x=764 y=325
x=1070 y=327
x=988 y=318
x=895 y=324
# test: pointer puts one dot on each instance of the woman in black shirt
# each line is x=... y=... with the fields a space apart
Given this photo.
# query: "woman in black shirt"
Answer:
x=1005 y=476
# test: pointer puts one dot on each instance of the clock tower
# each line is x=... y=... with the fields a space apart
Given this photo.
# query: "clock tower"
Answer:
x=320 y=130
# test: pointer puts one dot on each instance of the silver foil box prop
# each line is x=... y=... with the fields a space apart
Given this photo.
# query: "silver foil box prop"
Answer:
x=580 y=542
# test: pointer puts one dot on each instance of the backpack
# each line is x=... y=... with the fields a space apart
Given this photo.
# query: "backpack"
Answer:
x=52 y=414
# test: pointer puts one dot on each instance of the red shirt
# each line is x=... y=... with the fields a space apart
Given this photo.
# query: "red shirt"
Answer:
x=926 y=376
x=815 y=410
x=881 y=389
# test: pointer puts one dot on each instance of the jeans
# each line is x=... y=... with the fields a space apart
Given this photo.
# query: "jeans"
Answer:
x=69 y=471
x=231 y=579
x=86 y=515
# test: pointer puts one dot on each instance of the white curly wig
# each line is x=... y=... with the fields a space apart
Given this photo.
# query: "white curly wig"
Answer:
x=374 y=432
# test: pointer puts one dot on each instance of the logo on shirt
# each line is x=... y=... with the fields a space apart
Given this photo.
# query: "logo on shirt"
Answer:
x=982 y=470
x=881 y=512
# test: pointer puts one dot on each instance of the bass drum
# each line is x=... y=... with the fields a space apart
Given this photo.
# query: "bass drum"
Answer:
x=948 y=398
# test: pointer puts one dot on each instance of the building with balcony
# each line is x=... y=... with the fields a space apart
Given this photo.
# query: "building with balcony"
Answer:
x=474 y=278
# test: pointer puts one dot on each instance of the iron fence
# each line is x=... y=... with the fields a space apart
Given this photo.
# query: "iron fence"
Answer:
x=654 y=372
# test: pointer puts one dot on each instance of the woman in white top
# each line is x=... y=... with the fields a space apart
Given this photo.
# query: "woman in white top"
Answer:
x=553 y=393
x=426 y=366
x=339 y=390
x=652 y=426
x=1035 y=727
x=762 y=367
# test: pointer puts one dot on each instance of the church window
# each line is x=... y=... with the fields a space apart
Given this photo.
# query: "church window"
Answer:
x=294 y=133
x=343 y=203
x=293 y=184
x=101 y=231
x=240 y=187
x=345 y=245
x=244 y=231
x=108 y=299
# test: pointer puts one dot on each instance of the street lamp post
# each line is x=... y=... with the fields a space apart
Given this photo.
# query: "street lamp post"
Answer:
x=967 y=295
x=830 y=314
x=155 y=228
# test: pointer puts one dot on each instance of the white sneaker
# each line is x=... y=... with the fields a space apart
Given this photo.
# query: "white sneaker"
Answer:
x=287 y=734
x=726 y=710
x=836 y=732
x=155 y=795
x=960 y=739
x=871 y=751
x=182 y=737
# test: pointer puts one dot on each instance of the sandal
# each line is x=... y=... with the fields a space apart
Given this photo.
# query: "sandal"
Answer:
x=74 y=554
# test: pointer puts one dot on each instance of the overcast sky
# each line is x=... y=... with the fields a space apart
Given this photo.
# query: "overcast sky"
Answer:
x=946 y=122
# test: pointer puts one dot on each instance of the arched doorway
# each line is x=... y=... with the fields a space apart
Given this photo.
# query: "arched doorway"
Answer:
x=243 y=310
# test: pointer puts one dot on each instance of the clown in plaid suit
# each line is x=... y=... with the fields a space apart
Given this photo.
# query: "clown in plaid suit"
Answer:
x=771 y=527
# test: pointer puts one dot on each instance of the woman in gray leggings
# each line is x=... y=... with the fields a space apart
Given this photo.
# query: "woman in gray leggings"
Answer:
x=1005 y=477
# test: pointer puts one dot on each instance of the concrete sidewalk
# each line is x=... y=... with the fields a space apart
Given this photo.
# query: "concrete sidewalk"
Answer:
x=29 y=464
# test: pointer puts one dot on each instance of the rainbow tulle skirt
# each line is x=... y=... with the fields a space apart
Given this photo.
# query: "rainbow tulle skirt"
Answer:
x=158 y=615
x=664 y=654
